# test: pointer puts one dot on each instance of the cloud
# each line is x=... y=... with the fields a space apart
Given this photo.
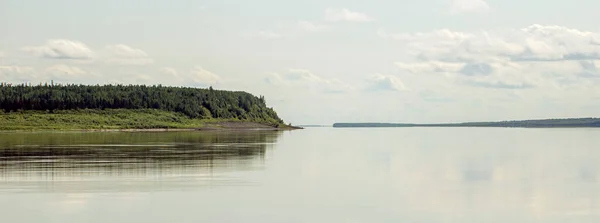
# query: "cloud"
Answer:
x=201 y=76
x=476 y=69
x=311 y=27
x=453 y=46
x=64 y=72
x=138 y=78
x=337 y=86
x=269 y=34
x=535 y=56
x=274 y=79
x=499 y=84
x=75 y=50
x=380 y=82
x=169 y=71
x=300 y=74
x=430 y=96
x=588 y=65
x=469 y=6
x=59 y=72
x=17 y=73
x=306 y=79
x=172 y=76
x=126 y=55
x=429 y=67
x=286 y=30
x=588 y=69
x=168 y=76
x=337 y=15
x=61 y=49
x=534 y=43
x=551 y=43
x=143 y=78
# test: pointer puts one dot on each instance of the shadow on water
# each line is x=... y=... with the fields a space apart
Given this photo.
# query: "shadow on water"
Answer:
x=95 y=159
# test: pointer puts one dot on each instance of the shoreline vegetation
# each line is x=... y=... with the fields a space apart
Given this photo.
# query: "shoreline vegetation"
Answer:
x=126 y=120
x=540 y=123
x=132 y=108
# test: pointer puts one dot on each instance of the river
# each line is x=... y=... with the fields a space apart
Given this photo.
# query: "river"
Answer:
x=310 y=175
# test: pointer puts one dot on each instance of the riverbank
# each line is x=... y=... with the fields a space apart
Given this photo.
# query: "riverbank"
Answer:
x=126 y=120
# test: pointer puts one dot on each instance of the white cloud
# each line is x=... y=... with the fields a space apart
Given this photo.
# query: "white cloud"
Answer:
x=499 y=84
x=126 y=55
x=559 y=43
x=536 y=56
x=534 y=43
x=169 y=71
x=429 y=67
x=204 y=77
x=307 y=26
x=589 y=69
x=61 y=49
x=337 y=15
x=431 y=96
x=269 y=34
x=337 y=86
x=275 y=79
x=143 y=78
x=172 y=76
x=452 y=46
x=286 y=30
x=169 y=76
x=75 y=50
x=476 y=69
x=306 y=79
x=294 y=76
x=469 y=6
x=300 y=74
x=60 y=72
x=17 y=73
x=138 y=78
x=64 y=72
x=380 y=82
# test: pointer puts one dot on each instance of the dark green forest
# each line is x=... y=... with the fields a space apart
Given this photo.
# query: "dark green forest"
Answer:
x=195 y=103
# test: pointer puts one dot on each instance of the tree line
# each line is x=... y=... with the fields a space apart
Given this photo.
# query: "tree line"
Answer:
x=540 y=123
x=193 y=102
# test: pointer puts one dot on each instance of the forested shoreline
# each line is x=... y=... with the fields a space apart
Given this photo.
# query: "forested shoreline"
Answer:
x=128 y=106
x=192 y=102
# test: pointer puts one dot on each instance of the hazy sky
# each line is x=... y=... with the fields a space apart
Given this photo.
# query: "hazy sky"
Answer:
x=325 y=61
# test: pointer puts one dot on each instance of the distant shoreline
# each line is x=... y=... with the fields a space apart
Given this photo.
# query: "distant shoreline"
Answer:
x=540 y=123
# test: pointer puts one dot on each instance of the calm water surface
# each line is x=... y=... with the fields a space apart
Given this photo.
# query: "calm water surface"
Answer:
x=311 y=175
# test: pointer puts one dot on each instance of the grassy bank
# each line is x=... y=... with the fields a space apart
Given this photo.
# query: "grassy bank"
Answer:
x=115 y=119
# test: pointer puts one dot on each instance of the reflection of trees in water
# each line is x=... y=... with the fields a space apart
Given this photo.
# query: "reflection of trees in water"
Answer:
x=81 y=154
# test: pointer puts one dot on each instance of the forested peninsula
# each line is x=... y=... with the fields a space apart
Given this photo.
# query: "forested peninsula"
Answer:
x=541 y=123
x=131 y=107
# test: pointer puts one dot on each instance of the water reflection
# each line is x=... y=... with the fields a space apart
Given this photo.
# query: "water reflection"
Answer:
x=181 y=158
x=328 y=175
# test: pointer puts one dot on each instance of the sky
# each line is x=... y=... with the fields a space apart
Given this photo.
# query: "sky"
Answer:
x=325 y=61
